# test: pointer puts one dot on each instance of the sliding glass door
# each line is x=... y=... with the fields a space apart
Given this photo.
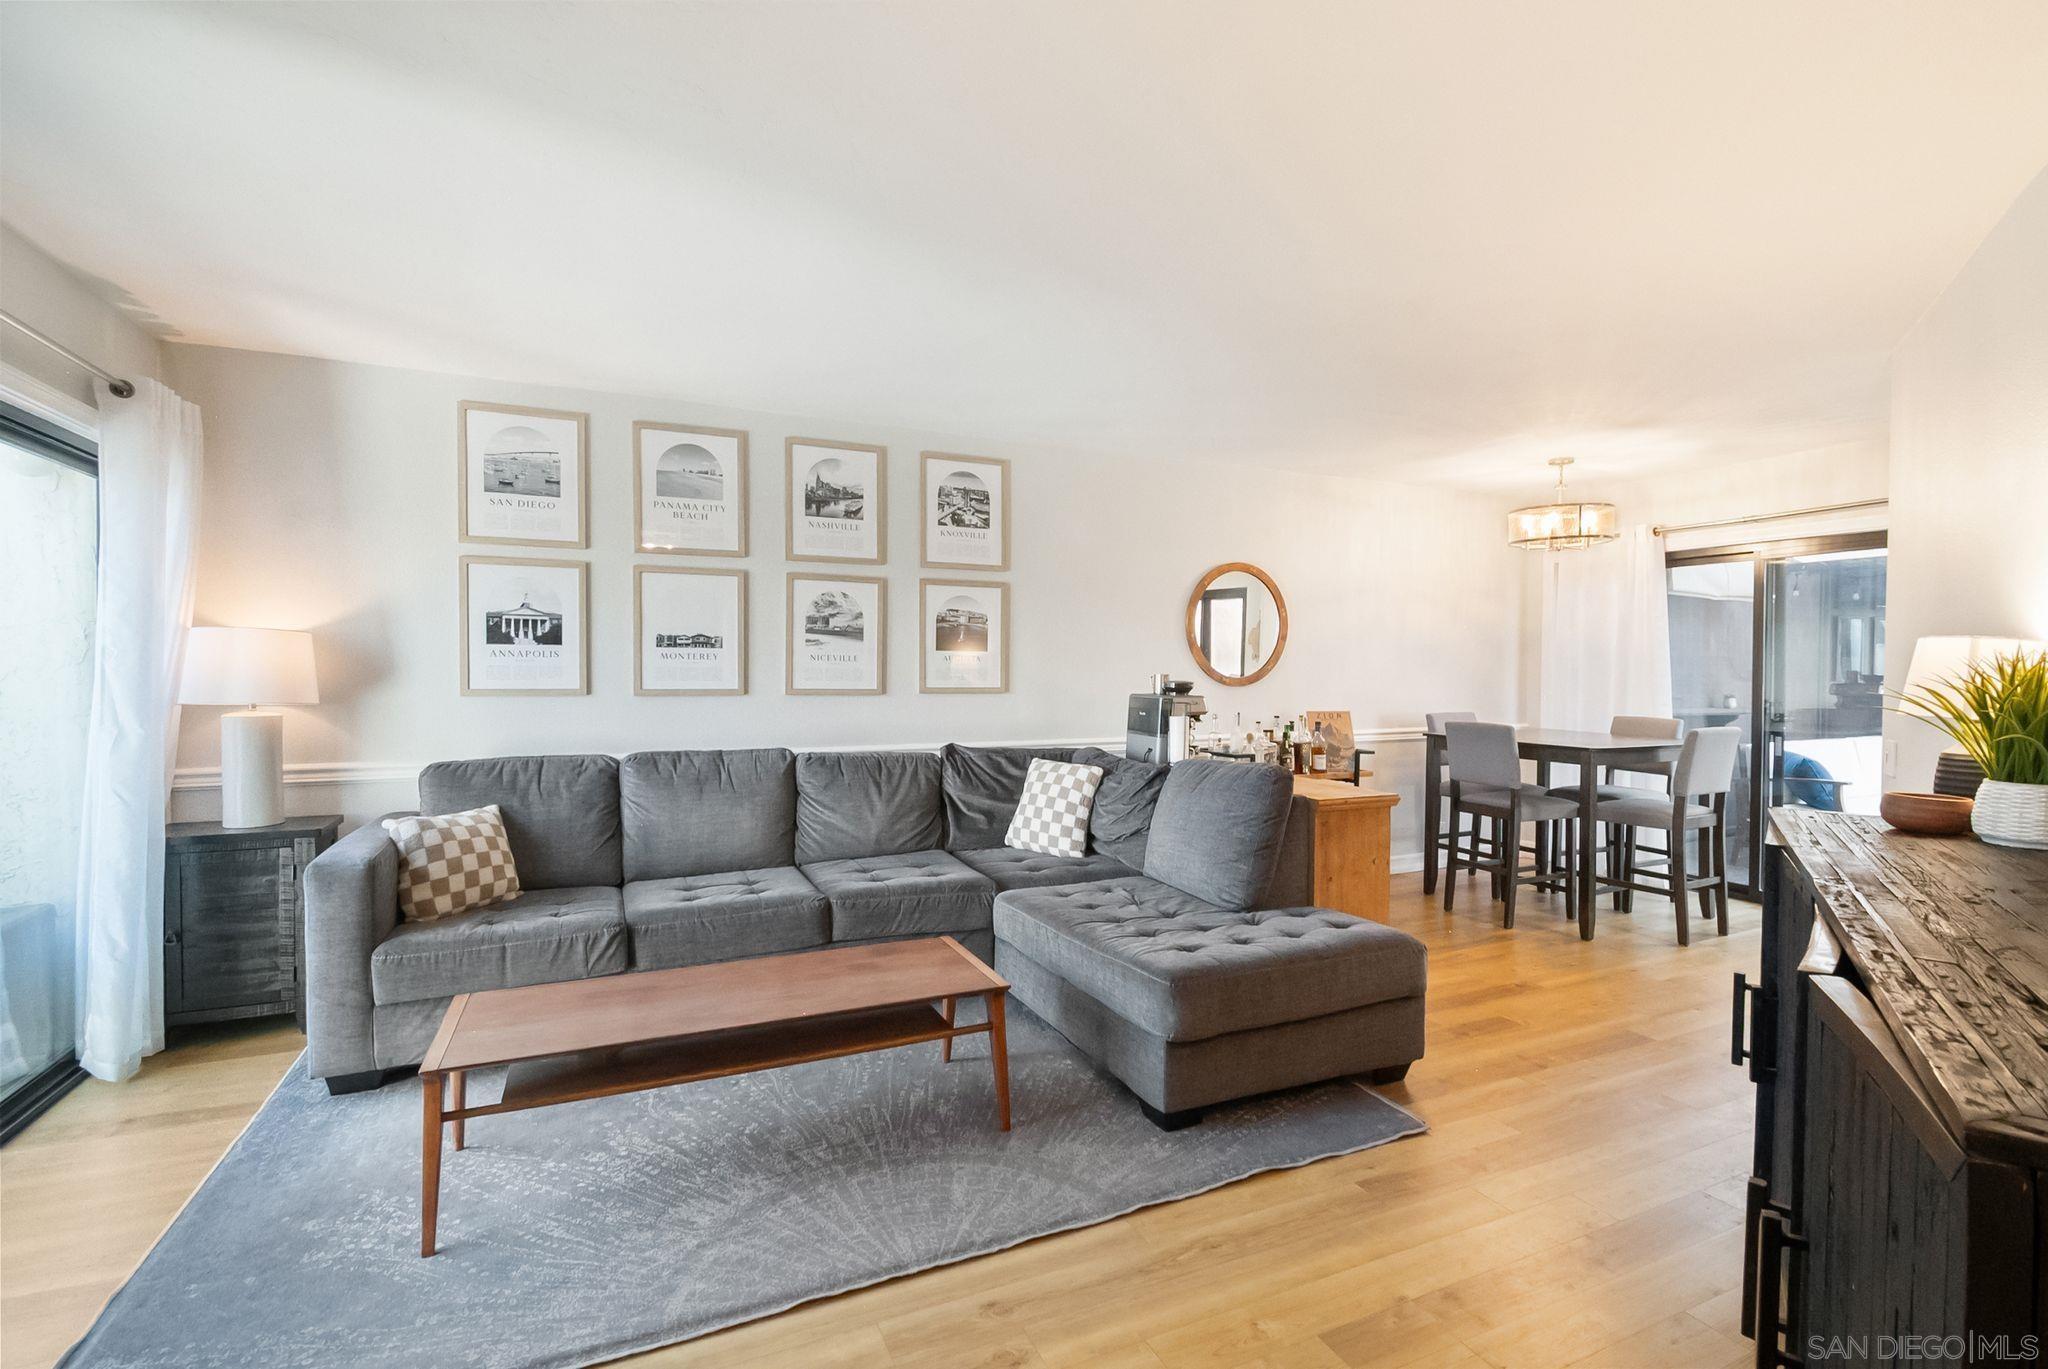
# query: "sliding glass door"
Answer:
x=48 y=541
x=1784 y=640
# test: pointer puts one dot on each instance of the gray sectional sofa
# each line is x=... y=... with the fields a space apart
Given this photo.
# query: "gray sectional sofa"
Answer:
x=1172 y=952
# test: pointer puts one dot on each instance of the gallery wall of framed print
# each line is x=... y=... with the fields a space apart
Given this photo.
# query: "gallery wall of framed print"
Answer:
x=524 y=626
x=963 y=631
x=965 y=512
x=692 y=490
x=834 y=499
x=837 y=634
x=689 y=631
x=523 y=474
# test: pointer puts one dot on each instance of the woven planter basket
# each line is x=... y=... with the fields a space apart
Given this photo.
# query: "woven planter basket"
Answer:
x=2012 y=814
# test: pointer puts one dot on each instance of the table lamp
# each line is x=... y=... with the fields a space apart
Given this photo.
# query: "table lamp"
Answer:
x=1939 y=660
x=244 y=667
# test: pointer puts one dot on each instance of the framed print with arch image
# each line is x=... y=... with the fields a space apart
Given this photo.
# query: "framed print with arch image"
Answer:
x=963 y=629
x=689 y=631
x=523 y=475
x=837 y=634
x=834 y=500
x=524 y=626
x=964 y=512
x=690 y=490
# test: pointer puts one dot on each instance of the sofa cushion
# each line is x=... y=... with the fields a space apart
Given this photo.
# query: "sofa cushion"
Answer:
x=540 y=937
x=697 y=919
x=981 y=787
x=1217 y=828
x=561 y=812
x=1123 y=804
x=918 y=893
x=867 y=803
x=704 y=812
x=1012 y=869
x=1186 y=970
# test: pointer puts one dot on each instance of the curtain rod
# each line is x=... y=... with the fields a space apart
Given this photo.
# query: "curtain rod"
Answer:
x=122 y=389
x=1661 y=528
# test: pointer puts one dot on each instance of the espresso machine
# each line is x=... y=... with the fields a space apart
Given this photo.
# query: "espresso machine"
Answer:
x=1157 y=725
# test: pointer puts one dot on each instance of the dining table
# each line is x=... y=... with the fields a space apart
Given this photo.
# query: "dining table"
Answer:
x=1548 y=746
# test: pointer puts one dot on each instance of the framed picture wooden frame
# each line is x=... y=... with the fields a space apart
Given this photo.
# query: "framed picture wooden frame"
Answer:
x=963 y=512
x=691 y=498
x=711 y=646
x=821 y=481
x=512 y=478
x=823 y=614
x=963 y=636
x=558 y=590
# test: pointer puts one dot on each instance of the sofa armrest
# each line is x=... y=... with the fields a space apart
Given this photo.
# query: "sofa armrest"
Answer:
x=351 y=892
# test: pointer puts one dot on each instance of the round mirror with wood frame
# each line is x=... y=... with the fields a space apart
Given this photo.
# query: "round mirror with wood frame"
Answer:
x=1237 y=623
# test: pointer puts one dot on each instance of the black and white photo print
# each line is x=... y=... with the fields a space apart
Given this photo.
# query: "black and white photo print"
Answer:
x=836 y=631
x=523 y=626
x=690 y=631
x=523 y=475
x=965 y=625
x=692 y=490
x=835 y=497
x=965 y=512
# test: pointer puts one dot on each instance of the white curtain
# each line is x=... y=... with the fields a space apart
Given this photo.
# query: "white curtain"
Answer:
x=1606 y=634
x=149 y=522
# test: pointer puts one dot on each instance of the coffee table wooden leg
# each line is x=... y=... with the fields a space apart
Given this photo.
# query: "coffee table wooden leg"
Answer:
x=457 y=1080
x=999 y=1052
x=430 y=1160
x=946 y=1007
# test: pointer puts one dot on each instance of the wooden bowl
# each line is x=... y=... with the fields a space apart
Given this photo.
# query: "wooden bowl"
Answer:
x=1926 y=815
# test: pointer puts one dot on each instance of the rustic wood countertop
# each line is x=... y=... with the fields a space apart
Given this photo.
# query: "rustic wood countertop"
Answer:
x=1950 y=936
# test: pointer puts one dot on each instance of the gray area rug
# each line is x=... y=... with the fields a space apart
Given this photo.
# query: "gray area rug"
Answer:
x=575 y=1234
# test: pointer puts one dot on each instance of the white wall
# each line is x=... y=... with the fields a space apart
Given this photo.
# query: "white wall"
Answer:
x=1838 y=474
x=1969 y=550
x=330 y=505
x=44 y=293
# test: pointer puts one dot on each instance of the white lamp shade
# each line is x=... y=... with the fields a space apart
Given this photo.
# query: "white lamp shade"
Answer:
x=241 y=666
x=1937 y=660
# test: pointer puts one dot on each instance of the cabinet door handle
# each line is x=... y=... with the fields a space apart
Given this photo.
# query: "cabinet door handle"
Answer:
x=1775 y=1242
x=1753 y=1042
x=170 y=937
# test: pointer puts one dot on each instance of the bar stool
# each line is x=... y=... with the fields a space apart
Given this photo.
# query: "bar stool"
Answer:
x=1705 y=770
x=1486 y=782
x=1446 y=832
x=1629 y=725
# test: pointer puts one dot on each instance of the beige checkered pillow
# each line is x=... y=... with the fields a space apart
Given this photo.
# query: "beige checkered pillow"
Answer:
x=453 y=863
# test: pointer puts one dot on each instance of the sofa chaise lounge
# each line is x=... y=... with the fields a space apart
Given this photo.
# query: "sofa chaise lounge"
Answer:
x=664 y=859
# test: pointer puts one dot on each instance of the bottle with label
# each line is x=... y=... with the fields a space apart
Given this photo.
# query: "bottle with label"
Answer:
x=1318 y=752
x=1287 y=745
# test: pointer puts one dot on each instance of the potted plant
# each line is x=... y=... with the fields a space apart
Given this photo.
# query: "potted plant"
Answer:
x=1997 y=711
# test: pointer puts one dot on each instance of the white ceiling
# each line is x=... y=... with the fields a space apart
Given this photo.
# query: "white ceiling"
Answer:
x=1435 y=240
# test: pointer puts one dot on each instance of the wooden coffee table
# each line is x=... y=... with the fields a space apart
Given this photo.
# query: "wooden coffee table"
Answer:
x=592 y=1038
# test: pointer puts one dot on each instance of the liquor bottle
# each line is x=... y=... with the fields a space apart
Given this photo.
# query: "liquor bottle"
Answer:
x=1287 y=745
x=1319 y=752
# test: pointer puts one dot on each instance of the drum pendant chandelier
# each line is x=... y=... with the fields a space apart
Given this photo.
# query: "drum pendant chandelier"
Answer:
x=1562 y=524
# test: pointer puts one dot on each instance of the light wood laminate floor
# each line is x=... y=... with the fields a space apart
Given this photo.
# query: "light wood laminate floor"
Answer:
x=1576 y=1201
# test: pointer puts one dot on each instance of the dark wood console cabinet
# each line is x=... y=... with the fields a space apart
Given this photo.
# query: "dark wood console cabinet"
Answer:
x=233 y=918
x=1899 y=1044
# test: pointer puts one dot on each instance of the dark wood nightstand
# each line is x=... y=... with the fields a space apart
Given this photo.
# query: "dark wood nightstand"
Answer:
x=234 y=918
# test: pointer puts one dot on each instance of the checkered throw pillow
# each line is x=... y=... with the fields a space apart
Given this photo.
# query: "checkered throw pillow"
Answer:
x=453 y=863
x=1052 y=817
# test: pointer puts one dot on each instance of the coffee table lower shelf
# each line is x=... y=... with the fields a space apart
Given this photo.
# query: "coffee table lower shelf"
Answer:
x=658 y=1064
